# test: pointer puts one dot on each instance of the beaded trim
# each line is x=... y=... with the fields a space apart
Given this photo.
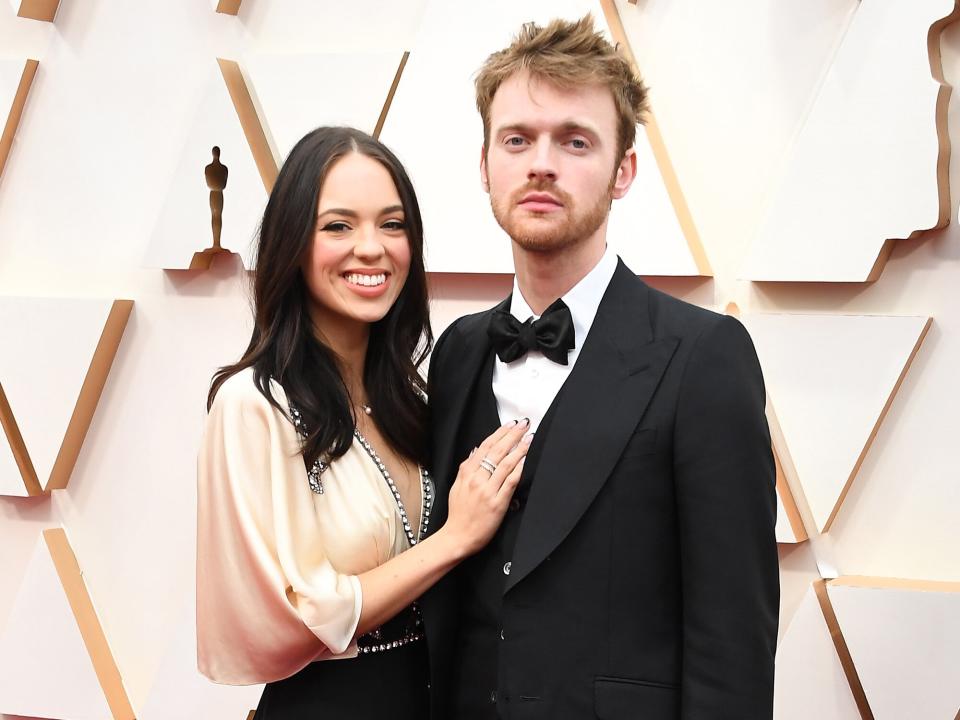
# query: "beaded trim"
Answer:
x=316 y=470
x=411 y=636
x=426 y=493
x=415 y=633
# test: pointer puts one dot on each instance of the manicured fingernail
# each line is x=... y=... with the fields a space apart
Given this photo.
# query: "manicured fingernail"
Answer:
x=525 y=421
x=511 y=423
x=472 y=452
x=528 y=438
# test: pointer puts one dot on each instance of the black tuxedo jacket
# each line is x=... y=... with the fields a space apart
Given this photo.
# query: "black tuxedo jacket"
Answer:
x=644 y=579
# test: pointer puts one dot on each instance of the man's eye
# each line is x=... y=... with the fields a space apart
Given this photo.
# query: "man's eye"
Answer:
x=515 y=140
x=579 y=144
x=335 y=227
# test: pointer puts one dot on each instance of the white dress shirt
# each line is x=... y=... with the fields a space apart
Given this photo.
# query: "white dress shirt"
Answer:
x=527 y=386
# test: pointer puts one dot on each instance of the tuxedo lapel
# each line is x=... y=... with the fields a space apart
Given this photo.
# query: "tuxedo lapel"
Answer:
x=467 y=351
x=599 y=406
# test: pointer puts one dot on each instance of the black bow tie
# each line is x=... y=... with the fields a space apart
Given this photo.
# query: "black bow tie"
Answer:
x=552 y=334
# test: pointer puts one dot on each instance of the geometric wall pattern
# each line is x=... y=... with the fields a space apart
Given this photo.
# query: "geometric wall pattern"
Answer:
x=652 y=230
x=835 y=210
x=227 y=7
x=868 y=647
x=360 y=82
x=832 y=379
x=810 y=681
x=44 y=10
x=790 y=527
x=899 y=635
x=903 y=637
x=16 y=77
x=271 y=124
x=53 y=634
x=51 y=376
x=184 y=229
x=441 y=149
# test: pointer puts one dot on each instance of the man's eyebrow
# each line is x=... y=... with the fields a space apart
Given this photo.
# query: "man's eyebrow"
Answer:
x=514 y=128
x=570 y=126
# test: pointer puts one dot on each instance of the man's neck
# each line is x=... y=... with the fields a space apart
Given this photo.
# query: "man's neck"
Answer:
x=544 y=277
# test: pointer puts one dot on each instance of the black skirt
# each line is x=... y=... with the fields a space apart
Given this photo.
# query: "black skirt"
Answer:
x=391 y=684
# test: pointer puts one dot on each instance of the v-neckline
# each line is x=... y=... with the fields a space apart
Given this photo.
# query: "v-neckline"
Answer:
x=426 y=497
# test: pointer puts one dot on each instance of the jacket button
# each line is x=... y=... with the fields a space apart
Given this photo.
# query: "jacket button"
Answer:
x=514 y=504
x=502 y=635
x=493 y=697
x=506 y=568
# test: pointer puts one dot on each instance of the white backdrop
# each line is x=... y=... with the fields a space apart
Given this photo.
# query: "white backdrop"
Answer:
x=99 y=143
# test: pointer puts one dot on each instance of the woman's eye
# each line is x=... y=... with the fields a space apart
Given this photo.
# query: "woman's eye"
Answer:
x=335 y=227
x=396 y=225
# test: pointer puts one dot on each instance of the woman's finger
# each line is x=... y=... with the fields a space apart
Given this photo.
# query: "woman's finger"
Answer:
x=495 y=437
x=494 y=447
x=509 y=463
x=510 y=483
x=507 y=442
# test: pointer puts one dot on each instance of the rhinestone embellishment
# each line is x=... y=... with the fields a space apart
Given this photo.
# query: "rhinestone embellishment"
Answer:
x=316 y=470
x=426 y=493
x=410 y=636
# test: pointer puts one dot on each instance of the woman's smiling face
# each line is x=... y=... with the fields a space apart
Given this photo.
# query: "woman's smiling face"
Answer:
x=360 y=256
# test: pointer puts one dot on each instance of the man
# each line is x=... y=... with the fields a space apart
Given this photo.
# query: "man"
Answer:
x=635 y=574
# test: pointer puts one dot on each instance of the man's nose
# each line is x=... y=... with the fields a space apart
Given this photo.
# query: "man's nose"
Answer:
x=543 y=164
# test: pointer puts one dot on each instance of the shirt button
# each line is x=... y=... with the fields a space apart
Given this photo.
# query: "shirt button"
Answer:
x=506 y=568
x=534 y=372
x=493 y=696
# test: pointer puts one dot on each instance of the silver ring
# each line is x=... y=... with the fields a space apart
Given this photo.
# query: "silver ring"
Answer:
x=488 y=466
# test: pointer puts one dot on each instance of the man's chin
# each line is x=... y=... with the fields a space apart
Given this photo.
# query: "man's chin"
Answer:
x=541 y=242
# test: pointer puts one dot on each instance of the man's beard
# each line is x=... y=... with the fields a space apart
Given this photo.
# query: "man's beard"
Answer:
x=554 y=234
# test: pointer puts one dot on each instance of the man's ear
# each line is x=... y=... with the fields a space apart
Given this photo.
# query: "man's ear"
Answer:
x=626 y=174
x=484 y=179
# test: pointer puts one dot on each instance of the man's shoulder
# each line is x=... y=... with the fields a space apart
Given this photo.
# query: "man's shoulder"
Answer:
x=679 y=318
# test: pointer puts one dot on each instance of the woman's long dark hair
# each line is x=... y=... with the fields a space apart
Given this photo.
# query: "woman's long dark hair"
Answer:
x=285 y=347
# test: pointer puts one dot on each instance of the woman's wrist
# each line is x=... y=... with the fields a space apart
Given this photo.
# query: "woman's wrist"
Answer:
x=453 y=545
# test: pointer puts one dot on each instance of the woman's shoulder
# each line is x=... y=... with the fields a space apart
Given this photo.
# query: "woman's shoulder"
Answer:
x=240 y=391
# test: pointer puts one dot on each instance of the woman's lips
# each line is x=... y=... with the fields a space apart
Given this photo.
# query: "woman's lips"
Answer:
x=367 y=285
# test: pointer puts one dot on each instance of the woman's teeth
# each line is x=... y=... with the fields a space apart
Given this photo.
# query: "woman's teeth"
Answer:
x=366 y=280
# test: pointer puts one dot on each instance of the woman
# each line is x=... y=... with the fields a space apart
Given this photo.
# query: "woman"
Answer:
x=314 y=503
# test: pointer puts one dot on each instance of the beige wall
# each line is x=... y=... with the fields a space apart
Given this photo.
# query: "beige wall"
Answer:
x=95 y=155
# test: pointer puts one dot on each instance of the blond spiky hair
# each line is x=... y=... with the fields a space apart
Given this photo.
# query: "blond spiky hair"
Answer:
x=567 y=53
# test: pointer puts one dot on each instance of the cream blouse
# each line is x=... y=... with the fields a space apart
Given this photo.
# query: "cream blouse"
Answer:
x=277 y=563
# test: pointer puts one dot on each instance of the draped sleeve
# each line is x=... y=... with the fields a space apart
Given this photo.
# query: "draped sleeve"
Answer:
x=268 y=599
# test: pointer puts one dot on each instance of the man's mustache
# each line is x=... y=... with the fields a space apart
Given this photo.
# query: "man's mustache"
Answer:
x=542 y=186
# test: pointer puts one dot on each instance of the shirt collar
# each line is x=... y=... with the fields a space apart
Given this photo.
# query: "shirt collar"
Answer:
x=582 y=299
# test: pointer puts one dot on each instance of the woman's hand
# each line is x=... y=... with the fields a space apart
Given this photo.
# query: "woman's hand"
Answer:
x=484 y=485
x=477 y=502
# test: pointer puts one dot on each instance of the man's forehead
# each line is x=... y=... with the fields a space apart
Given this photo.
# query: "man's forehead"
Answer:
x=525 y=97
